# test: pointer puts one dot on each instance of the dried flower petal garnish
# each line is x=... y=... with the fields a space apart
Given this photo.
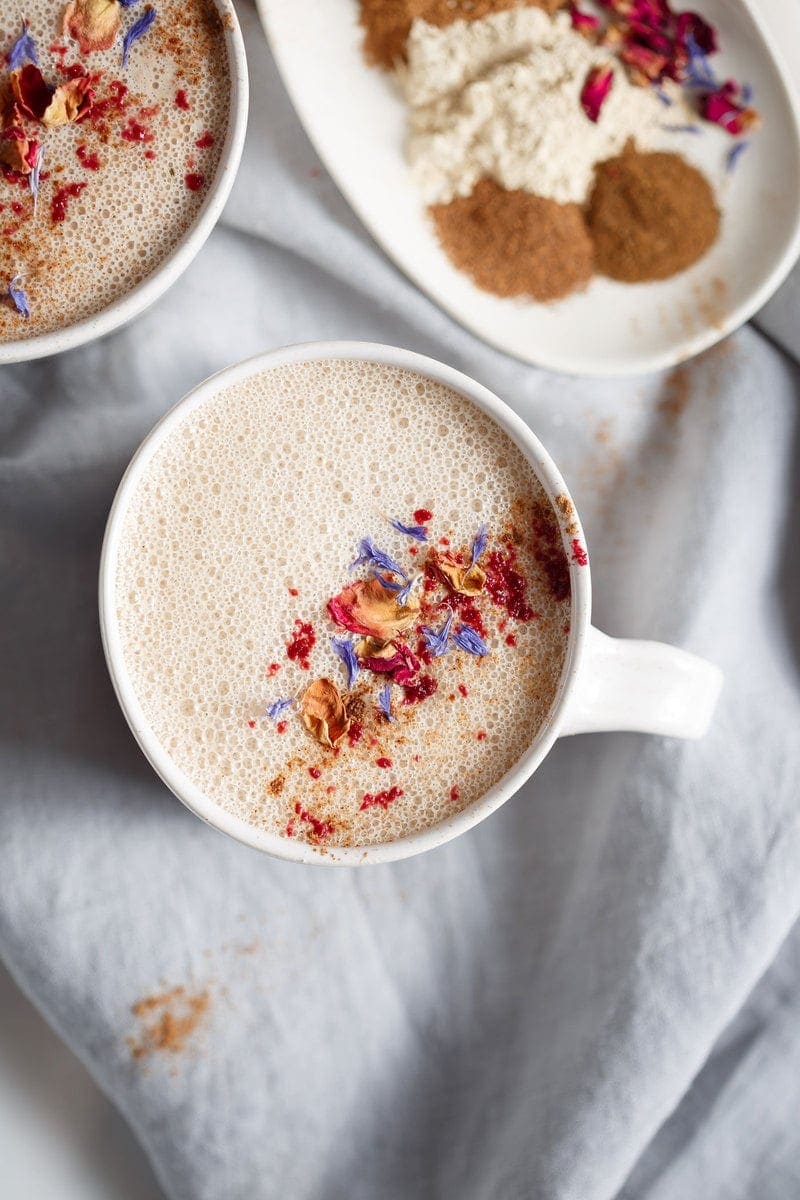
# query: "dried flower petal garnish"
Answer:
x=697 y=71
x=385 y=701
x=35 y=176
x=323 y=712
x=346 y=652
x=369 y=608
x=17 y=151
x=734 y=154
x=418 y=532
x=726 y=108
x=370 y=555
x=278 y=707
x=137 y=30
x=479 y=544
x=18 y=297
x=393 y=658
x=583 y=22
x=467 y=581
x=23 y=50
x=403 y=589
x=594 y=92
x=31 y=93
x=682 y=128
x=437 y=641
x=70 y=102
x=467 y=638
x=93 y=24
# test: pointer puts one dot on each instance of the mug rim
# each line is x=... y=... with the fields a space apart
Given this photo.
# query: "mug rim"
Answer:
x=187 y=247
x=175 y=779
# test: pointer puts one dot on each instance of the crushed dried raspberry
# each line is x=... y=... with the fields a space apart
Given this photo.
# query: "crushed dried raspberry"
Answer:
x=382 y=799
x=385 y=763
x=302 y=642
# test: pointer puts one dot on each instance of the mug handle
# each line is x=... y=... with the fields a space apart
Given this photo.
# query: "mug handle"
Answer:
x=646 y=687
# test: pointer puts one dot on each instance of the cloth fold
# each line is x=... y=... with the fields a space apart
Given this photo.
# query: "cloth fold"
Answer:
x=561 y=1003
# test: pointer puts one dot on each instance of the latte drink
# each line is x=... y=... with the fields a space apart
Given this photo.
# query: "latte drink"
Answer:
x=343 y=600
x=104 y=164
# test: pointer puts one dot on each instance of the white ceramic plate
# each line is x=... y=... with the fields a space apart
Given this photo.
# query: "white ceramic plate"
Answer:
x=356 y=120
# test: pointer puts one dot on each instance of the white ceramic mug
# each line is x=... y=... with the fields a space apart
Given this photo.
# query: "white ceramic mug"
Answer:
x=184 y=251
x=606 y=683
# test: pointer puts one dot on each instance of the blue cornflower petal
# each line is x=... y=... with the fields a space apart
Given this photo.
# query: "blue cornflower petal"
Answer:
x=437 y=640
x=698 y=72
x=479 y=543
x=682 y=128
x=385 y=701
x=369 y=553
x=344 y=648
x=734 y=154
x=467 y=638
x=278 y=708
x=663 y=97
x=138 y=29
x=128 y=3
x=418 y=532
x=23 y=50
x=18 y=297
x=33 y=178
x=405 y=592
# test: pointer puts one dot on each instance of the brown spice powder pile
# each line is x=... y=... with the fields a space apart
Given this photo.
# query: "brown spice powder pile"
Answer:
x=169 y=1021
x=386 y=23
x=515 y=243
x=650 y=215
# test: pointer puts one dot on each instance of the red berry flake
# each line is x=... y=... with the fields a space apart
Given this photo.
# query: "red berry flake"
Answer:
x=194 y=181
x=579 y=555
x=354 y=732
x=206 y=140
x=444 y=541
x=252 y=724
x=281 y=727
x=481 y=735
x=273 y=668
x=290 y=828
x=293 y=592
x=511 y=639
x=134 y=131
x=419 y=690
x=506 y=585
x=455 y=795
x=150 y=154
x=17 y=207
x=385 y=763
x=462 y=689
x=421 y=515
x=182 y=100
x=90 y=162
x=301 y=643
x=320 y=829
x=383 y=799
x=314 y=772
x=59 y=202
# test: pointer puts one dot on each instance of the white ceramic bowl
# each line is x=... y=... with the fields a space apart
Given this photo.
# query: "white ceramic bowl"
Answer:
x=149 y=290
x=630 y=685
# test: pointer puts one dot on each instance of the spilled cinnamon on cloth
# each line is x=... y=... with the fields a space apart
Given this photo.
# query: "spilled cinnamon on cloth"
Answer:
x=386 y=23
x=512 y=243
x=168 y=1021
x=650 y=215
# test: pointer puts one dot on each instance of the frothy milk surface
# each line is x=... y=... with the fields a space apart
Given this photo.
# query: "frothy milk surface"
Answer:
x=247 y=520
x=140 y=161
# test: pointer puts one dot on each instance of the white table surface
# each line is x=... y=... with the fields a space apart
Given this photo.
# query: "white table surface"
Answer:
x=60 y=1139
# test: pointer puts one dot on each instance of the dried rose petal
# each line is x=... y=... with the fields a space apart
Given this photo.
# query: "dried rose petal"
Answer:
x=583 y=22
x=94 y=24
x=369 y=608
x=725 y=108
x=691 y=25
x=31 y=93
x=649 y=65
x=323 y=713
x=393 y=658
x=596 y=87
x=467 y=580
x=17 y=150
x=71 y=101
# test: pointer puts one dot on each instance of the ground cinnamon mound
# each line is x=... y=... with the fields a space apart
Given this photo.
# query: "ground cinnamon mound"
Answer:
x=650 y=215
x=515 y=243
x=386 y=22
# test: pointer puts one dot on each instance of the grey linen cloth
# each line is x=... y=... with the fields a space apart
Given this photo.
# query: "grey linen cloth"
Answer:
x=594 y=994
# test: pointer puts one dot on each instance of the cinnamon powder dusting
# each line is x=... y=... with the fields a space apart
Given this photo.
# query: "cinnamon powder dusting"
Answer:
x=515 y=243
x=168 y=1021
